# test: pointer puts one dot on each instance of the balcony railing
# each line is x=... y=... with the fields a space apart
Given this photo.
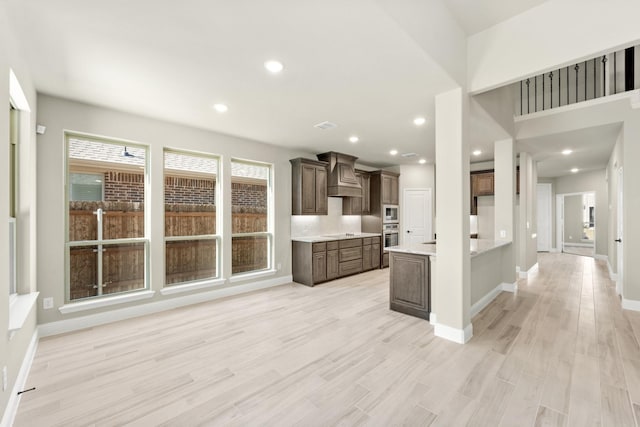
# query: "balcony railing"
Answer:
x=594 y=78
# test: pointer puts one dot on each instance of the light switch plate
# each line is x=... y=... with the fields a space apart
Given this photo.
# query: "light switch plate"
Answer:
x=47 y=303
x=503 y=234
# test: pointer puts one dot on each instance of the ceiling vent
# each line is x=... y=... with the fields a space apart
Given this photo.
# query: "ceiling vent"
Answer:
x=408 y=154
x=325 y=125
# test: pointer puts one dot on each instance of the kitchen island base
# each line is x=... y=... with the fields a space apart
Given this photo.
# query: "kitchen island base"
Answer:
x=409 y=290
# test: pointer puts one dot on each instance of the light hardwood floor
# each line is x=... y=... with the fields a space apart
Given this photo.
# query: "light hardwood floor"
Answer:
x=560 y=352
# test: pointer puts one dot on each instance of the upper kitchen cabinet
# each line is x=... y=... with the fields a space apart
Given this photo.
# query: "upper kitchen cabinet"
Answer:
x=482 y=183
x=359 y=205
x=308 y=187
x=390 y=188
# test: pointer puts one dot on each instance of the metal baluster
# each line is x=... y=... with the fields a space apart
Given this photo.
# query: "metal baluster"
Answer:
x=577 y=68
x=615 y=71
x=559 y=88
x=528 y=100
x=543 y=92
x=595 y=78
x=604 y=75
x=585 y=80
x=551 y=89
x=535 y=98
x=521 y=97
x=567 y=68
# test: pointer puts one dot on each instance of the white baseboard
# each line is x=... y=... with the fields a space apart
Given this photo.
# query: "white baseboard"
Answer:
x=613 y=276
x=554 y=250
x=76 y=323
x=579 y=245
x=485 y=300
x=527 y=274
x=460 y=336
x=630 y=304
x=510 y=287
x=433 y=319
x=14 y=399
x=601 y=257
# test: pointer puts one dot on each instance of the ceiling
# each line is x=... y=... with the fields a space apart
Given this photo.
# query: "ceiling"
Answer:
x=591 y=150
x=349 y=63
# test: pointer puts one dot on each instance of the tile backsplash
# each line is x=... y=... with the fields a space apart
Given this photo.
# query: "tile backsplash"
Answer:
x=333 y=223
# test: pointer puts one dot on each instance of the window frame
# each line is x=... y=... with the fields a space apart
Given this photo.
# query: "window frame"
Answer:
x=270 y=219
x=68 y=244
x=217 y=237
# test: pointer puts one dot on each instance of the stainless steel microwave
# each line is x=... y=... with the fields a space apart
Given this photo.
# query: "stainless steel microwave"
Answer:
x=390 y=213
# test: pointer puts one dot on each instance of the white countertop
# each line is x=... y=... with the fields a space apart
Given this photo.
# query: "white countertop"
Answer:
x=477 y=247
x=331 y=237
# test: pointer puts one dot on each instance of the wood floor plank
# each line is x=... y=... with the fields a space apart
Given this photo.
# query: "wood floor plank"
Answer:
x=561 y=351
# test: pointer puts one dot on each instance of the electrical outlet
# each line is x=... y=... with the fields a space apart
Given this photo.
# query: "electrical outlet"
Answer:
x=47 y=303
x=279 y=266
x=4 y=378
x=503 y=234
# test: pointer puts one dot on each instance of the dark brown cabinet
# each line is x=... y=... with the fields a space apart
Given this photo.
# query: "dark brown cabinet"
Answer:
x=410 y=284
x=359 y=205
x=483 y=183
x=318 y=262
x=390 y=188
x=309 y=187
x=366 y=193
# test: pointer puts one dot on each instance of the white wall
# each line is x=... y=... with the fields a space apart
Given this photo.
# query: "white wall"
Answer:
x=573 y=219
x=59 y=115
x=13 y=349
x=615 y=162
x=555 y=34
x=332 y=223
x=486 y=217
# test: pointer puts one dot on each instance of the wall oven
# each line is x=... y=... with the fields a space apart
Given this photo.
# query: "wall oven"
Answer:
x=390 y=213
x=391 y=232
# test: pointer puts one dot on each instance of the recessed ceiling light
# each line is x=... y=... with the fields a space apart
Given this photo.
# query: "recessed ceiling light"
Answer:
x=419 y=121
x=353 y=139
x=220 y=108
x=393 y=152
x=422 y=161
x=477 y=152
x=567 y=152
x=575 y=170
x=274 y=66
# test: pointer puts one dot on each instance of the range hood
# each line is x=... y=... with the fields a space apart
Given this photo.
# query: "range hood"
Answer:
x=342 y=180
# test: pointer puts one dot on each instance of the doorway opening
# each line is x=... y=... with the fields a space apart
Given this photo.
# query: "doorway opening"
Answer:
x=576 y=222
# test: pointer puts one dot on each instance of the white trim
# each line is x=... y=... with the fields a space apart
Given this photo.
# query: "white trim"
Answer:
x=96 y=319
x=485 y=300
x=16 y=94
x=20 y=309
x=613 y=276
x=433 y=319
x=579 y=245
x=460 y=336
x=630 y=304
x=510 y=287
x=601 y=257
x=92 y=304
x=14 y=398
x=527 y=274
x=252 y=275
x=177 y=289
x=554 y=251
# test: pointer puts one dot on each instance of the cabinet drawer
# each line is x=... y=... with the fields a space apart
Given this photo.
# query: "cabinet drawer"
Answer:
x=332 y=246
x=350 y=243
x=350 y=267
x=349 y=254
x=319 y=247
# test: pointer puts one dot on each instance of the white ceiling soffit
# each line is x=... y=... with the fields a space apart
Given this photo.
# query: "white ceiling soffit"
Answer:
x=478 y=15
x=350 y=63
x=591 y=150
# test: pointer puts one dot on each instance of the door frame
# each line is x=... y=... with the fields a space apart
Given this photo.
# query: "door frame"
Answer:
x=429 y=217
x=620 y=234
x=549 y=213
x=560 y=219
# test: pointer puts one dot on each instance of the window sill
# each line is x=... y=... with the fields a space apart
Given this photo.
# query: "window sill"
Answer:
x=254 y=275
x=177 y=289
x=19 y=310
x=105 y=302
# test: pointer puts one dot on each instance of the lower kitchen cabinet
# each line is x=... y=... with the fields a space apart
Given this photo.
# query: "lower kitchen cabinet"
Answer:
x=409 y=281
x=318 y=262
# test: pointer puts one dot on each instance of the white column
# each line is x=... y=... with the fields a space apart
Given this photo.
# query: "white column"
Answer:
x=527 y=238
x=505 y=193
x=451 y=282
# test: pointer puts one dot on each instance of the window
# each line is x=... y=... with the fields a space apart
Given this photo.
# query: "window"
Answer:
x=13 y=183
x=251 y=205
x=106 y=241
x=191 y=243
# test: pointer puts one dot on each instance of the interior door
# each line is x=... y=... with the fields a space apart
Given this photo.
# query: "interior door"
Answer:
x=416 y=218
x=544 y=217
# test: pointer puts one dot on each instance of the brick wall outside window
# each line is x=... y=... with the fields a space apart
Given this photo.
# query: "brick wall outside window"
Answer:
x=249 y=195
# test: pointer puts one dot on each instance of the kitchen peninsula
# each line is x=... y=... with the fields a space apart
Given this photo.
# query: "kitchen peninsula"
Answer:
x=412 y=272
